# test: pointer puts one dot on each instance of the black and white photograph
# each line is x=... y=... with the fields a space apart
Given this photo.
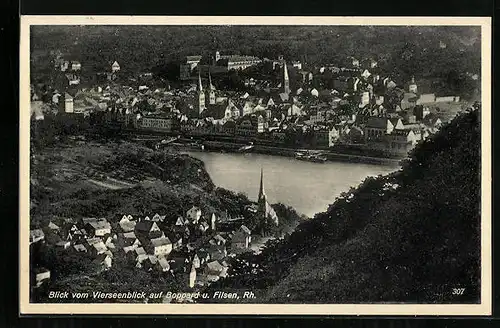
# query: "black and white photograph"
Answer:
x=239 y=165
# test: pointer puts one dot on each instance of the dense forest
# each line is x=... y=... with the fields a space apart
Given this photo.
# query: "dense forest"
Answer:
x=405 y=50
x=411 y=236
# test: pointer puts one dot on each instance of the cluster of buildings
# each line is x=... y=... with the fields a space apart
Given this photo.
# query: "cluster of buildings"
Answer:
x=320 y=107
x=195 y=247
x=218 y=63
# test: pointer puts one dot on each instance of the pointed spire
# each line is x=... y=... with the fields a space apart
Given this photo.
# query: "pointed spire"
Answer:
x=262 y=193
x=285 y=72
x=210 y=80
x=286 y=81
x=200 y=86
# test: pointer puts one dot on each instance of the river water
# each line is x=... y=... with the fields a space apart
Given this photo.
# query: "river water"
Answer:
x=308 y=187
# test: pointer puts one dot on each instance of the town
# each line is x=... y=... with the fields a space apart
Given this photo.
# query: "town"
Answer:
x=195 y=248
x=351 y=107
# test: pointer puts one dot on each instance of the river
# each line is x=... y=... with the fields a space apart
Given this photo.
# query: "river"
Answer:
x=308 y=187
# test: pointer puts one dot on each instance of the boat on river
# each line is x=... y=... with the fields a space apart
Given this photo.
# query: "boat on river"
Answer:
x=304 y=156
x=246 y=148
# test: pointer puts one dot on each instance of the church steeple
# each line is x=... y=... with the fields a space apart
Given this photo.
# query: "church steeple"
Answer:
x=286 y=81
x=201 y=95
x=211 y=94
x=261 y=189
x=413 y=86
x=265 y=211
x=200 y=86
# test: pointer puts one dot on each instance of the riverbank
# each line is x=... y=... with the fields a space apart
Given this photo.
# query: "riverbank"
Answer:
x=220 y=146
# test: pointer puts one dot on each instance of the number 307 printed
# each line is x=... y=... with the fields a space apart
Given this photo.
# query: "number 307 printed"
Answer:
x=458 y=291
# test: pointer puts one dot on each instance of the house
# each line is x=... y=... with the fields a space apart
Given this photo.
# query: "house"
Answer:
x=139 y=251
x=326 y=137
x=148 y=228
x=426 y=98
x=217 y=240
x=80 y=247
x=193 y=61
x=41 y=276
x=98 y=248
x=409 y=100
x=104 y=261
x=115 y=67
x=366 y=74
x=192 y=276
x=242 y=237
x=158 y=218
x=64 y=244
x=196 y=261
x=217 y=252
x=109 y=242
x=203 y=256
x=203 y=226
x=54 y=227
x=175 y=238
x=163 y=264
x=194 y=214
x=130 y=244
x=160 y=246
x=432 y=121
x=401 y=141
x=377 y=127
x=126 y=225
x=92 y=241
x=215 y=270
x=421 y=112
x=397 y=123
x=180 y=221
x=76 y=66
x=36 y=235
x=98 y=227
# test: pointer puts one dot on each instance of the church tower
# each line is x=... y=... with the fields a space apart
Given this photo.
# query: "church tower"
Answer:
x=201 y=96
x=211 y=94
x=286 y=81
x=413 y=86
x=262 y=193
x=265 y=211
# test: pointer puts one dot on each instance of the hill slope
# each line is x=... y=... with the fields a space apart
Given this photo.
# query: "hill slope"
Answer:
x=410 y=50
x=412 y=236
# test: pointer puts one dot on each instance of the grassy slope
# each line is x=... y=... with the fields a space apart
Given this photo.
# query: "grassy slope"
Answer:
x=419 y=241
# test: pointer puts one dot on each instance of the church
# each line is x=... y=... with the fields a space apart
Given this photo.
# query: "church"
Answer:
x=265 y=211
x=202 y=101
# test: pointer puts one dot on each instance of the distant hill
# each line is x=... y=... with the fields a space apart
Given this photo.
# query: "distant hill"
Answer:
x=406 y=50
x=412 y=236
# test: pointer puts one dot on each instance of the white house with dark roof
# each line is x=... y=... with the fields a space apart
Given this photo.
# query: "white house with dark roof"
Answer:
x=98 y=227
x=160 y=246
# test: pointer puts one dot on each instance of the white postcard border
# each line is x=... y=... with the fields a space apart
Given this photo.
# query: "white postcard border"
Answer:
x=484 y=308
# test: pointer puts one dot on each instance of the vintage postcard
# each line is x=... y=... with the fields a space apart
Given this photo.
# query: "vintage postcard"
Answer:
x=255 y=165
